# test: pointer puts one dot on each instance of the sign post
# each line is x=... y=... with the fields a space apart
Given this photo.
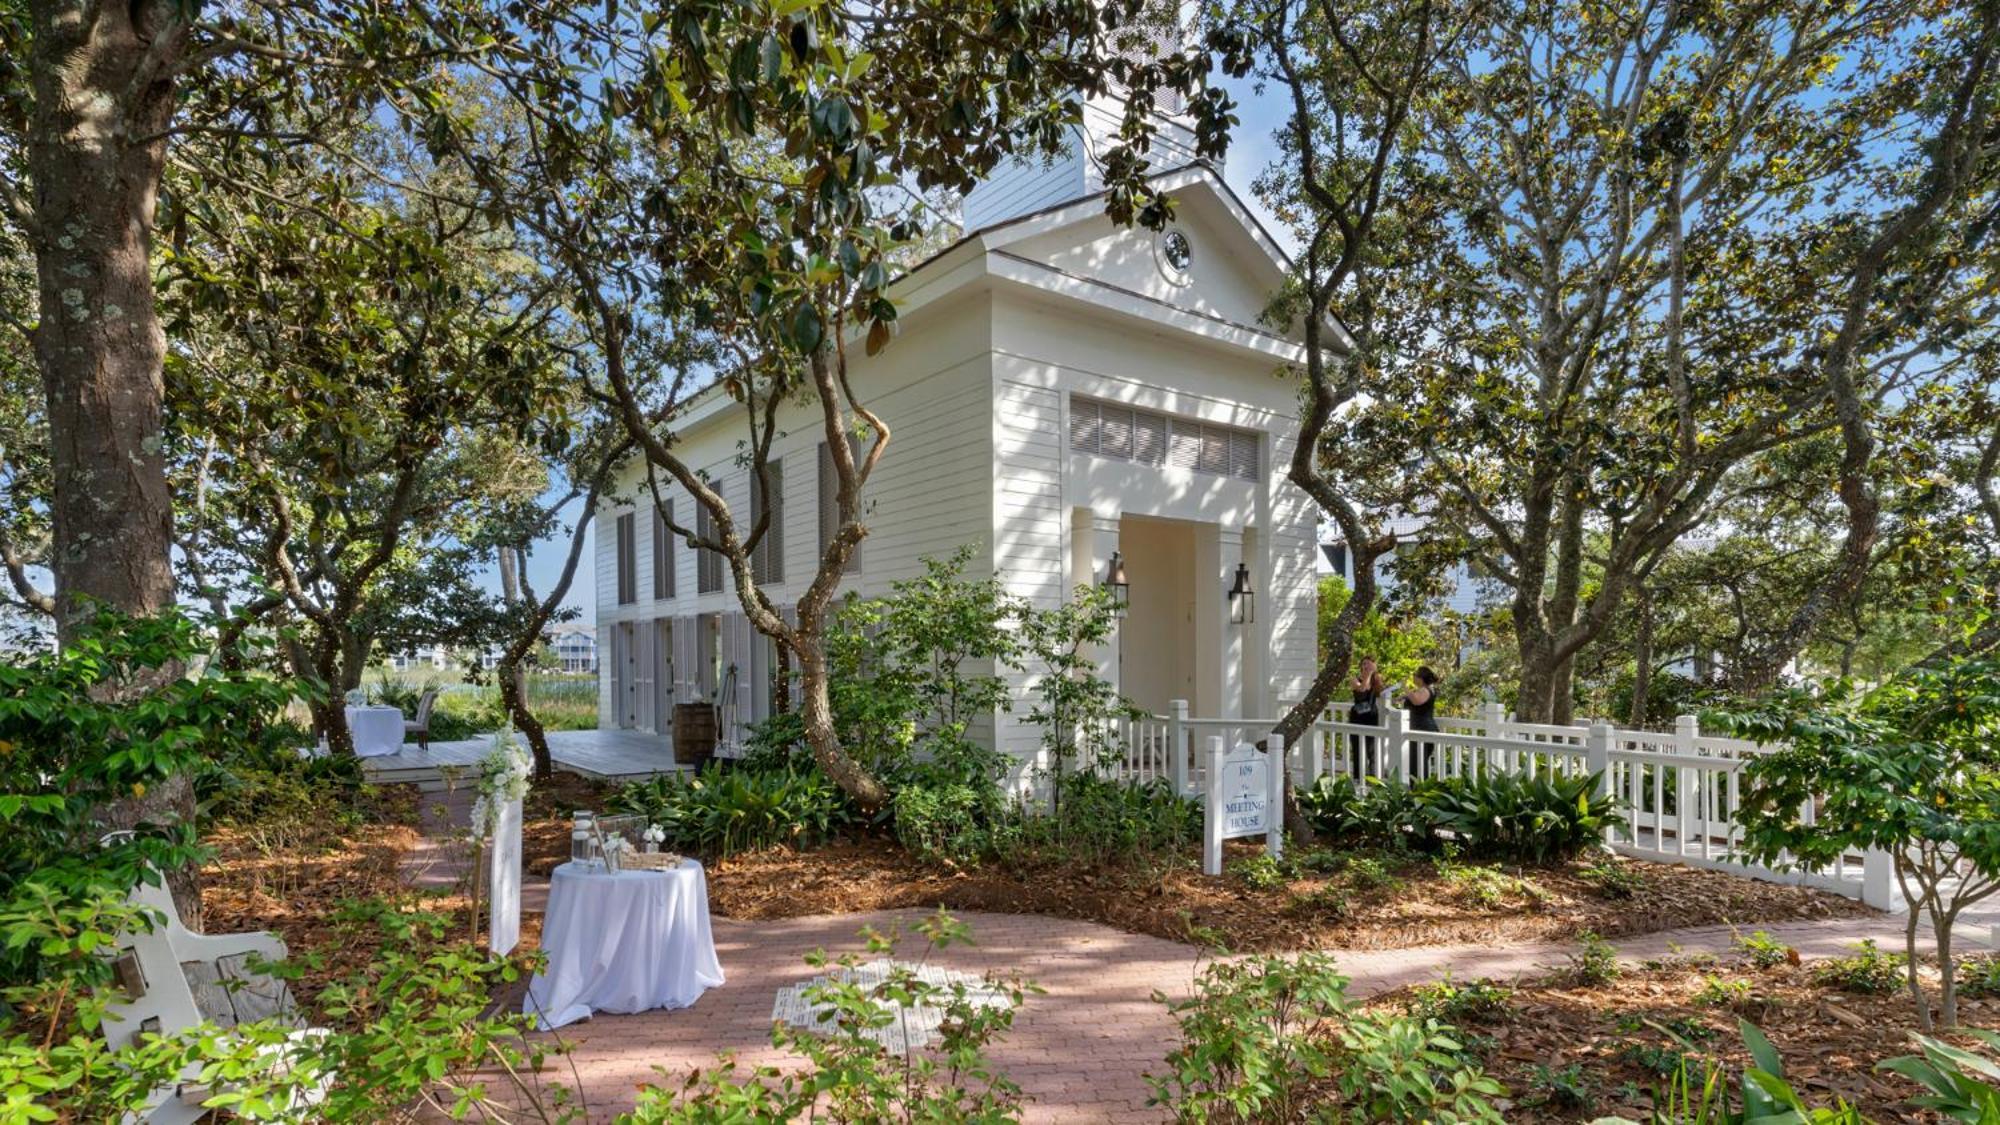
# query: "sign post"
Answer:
x=1245 y=797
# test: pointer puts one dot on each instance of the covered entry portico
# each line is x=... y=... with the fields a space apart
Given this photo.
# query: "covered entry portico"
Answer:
x=1176 y=639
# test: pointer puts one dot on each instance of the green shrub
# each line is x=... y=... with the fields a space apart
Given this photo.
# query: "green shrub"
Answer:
x=849 y=1077
x=720 y=810
x=1614 y=879
x=1260 y=872
x=1715 y=992
x=1566 y=1088
x=1980 y=977
x=1546 y=818
x=1869 y=971
x=1479 y=1001
x=1594 y=962
x=1962 y=1085
x=1102 y=822
x=1273 y=1039
x=948 y=821
x=1387 y=813
x=1764 y=951
x=414 y=1026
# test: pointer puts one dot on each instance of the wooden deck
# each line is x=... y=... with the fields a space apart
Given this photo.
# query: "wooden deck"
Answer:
x=600 y=755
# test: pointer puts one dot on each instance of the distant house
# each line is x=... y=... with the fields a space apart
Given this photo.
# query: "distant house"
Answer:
x=1465 y=593
x=421 y=658
x=575 y=646
x=1061 y=390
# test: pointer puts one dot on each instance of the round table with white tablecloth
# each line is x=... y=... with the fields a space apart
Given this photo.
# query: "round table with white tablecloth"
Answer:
x=376 y=730
x=628 y=942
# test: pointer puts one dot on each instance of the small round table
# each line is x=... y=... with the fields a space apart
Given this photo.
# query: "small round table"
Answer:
x=623 y=943
x=376 y=731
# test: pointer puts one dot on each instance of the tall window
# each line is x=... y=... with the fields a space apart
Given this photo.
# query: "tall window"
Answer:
x=829 y=501
x=663 y=552
x=628 y=561
x=1120 y=433
x=767 y=562
x=707 y=562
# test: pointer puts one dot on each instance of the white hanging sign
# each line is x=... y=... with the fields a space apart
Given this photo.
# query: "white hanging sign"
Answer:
x=504 y=879
x=1245 y=796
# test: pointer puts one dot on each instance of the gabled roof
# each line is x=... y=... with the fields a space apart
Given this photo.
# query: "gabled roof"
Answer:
x=1017 y=253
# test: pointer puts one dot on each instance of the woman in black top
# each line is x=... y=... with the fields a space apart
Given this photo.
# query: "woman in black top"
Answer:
x=1367 y=686
x=1421 y=702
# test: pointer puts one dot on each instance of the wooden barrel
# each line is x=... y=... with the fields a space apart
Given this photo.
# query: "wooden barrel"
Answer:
x=694 y=733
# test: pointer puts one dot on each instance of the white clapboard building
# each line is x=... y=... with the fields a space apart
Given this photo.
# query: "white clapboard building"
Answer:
x=1059 y=389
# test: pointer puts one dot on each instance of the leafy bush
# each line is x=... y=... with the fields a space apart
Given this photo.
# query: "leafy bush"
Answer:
x=1908 y=768
x=1766 y=952
x=112 y=722
x=1387 y=813
x=1962 y=1086
x=1541 y=819
x=1260 y=872
x=1102 y=822
x=1613 y=879
x=413 y=1026
x=1479 y=1001
x=945 y=820
x=1980 y=977
x=1869 y=971
x=721 y=810
x=1547 y=818
x=849 y=1076
x=1271 y=1038
x=1594 y=962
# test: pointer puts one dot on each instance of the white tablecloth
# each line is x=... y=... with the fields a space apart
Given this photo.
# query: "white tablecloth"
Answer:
x=376 y=730
x=623 y=943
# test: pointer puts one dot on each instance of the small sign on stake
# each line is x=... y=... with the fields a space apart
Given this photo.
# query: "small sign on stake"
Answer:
x=1245 y=797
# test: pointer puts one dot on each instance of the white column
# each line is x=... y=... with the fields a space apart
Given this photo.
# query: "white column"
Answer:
x=1254 y=639
x=1094 y=536
x=1219 y=646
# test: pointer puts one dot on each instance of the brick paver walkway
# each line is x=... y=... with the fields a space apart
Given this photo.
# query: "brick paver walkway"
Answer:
x=1081 y=1049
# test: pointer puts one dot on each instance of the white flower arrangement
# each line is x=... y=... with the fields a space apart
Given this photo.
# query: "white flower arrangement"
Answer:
x=503 y=777
x=654 y=834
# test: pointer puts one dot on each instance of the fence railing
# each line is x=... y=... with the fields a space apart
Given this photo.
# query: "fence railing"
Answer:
x=1679 y=789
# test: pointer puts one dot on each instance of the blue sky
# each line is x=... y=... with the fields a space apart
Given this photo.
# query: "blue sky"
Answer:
x=1251 y=148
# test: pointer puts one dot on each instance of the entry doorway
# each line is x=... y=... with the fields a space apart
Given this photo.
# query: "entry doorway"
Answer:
x=1156 y=640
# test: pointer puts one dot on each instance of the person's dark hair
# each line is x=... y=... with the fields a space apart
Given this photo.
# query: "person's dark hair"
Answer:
x=1425 y=674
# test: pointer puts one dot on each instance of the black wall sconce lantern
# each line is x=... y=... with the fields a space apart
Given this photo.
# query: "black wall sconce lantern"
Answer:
x=1242 y=600
x=1116 y=583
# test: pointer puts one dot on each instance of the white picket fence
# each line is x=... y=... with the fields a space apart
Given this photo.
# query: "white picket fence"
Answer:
x=1679 y=788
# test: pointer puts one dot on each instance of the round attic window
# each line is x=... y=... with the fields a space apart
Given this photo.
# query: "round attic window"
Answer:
x=1176 y=255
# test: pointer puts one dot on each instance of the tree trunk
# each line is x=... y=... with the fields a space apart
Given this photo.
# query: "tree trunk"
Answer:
x=99 y=343
x=330 y=710
x=1534 y=698
x=1642 y=661
x=95 y=71
x=513 y=679
x=816 y=712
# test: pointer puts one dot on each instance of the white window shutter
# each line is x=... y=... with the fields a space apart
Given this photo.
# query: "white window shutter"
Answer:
x=1083 y=425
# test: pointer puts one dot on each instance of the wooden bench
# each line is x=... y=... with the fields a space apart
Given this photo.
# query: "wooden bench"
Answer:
x=172 y=979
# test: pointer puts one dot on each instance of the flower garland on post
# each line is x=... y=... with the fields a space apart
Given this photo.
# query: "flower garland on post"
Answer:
x=502 y=778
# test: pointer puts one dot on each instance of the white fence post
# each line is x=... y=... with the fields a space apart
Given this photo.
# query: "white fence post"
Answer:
x=1687 y=735
x=1597 y=761
x=1493 y=718
x=1878 y=880
x=1211 y=803
x=1177 y=745
x=1274 y=808
x=1395 y=748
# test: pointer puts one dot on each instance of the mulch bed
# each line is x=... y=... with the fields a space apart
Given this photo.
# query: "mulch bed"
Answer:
x=1624 y=1037
x=1402 y=902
